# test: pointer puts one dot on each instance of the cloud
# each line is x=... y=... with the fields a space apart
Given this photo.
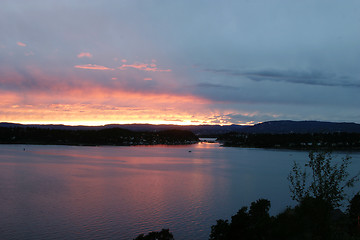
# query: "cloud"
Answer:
x=250 y=117
x=310 y=78
x=255 y=61
x=144 y=67
x=21 y=44
x=92 y=67
x=84 y=54
x=148 y=79
x=215 y=86
x=35 y=86
x=299 y=77
x=96 y=104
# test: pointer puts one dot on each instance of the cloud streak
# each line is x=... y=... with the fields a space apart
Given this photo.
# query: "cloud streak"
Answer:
x=21 y=44
x=317 y=78
x=84 y=54
x=215 y=86
x=93 y=67
x=143 y=67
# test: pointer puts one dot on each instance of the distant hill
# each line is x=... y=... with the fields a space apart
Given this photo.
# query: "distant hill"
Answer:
x=92 y=137
x=272 y=127
x=200 y=130
x=284 y=127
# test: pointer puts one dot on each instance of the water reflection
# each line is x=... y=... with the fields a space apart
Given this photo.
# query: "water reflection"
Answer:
x=67 y=192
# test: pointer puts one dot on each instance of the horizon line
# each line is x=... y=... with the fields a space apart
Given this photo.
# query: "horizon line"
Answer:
x=92 y=124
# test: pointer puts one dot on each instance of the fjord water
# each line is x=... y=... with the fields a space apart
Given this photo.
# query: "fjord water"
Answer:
x=68 y=192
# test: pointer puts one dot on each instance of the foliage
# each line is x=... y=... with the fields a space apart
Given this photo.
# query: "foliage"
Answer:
x=220 y=231
x=319 y=188
x=354 y=215
x=324 y=179
x=91 y=136
x=338 y=140
x=311 y=219
x=252 y=224
x=164 y=234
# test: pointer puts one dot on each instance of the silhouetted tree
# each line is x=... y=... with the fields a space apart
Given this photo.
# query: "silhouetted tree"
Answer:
x=260 y=218
x=354 y=215
x=164 y=234
x=246 y=224
x=328 y=180
x=220 y=231
x=312 y=218
x=318 y=192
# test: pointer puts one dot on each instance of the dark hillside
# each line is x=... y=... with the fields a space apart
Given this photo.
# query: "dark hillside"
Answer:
x=92 y=137
x=283 y=127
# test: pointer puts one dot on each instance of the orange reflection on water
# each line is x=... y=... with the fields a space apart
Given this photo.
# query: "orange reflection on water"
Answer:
x=119 y=190
x=207 y=145
x=147 y=192
x=145 y=180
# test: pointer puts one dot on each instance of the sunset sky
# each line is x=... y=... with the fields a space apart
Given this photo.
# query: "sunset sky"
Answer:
x=180 y=62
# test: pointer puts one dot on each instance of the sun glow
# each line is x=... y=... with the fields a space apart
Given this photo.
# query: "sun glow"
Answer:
x=108 y=122
x=102 y=123
x=121 y=97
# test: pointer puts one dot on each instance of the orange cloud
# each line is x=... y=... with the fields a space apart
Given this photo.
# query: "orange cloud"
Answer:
x=144 y=67
x=96 y=106
x=93 y=67
x=21 y=44
x=91 y=102
x=84 y=54
x=9 y=98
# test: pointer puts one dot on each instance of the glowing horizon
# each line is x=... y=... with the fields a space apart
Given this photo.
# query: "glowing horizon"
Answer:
x=103 y=123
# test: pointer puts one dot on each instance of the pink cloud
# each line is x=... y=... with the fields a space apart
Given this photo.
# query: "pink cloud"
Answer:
x=84 y=54
x=139 y=66
x=123 y=60
x=43 y=100
x=144 y=67
x=21 y=44
x=148 y=79
x=93 y=67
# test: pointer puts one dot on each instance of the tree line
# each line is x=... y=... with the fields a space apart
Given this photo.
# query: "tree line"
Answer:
x=339 y=140
x=109 y=136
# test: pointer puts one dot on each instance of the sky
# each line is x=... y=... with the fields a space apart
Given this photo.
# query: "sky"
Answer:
x=79 y=62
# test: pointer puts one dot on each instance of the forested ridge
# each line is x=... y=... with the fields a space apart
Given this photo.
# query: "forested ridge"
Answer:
x=108 y=136
x=335 y=141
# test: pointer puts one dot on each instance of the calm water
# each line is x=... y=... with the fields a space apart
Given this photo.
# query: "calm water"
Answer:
x=66 y=192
